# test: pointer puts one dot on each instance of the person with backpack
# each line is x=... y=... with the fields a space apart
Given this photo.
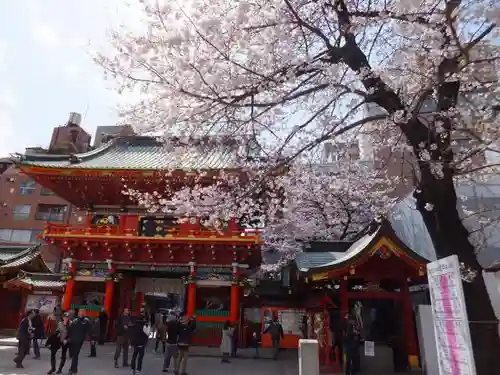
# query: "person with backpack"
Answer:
x=139 y=338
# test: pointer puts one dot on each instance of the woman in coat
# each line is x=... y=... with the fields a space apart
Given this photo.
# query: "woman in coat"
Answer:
x=227 y=341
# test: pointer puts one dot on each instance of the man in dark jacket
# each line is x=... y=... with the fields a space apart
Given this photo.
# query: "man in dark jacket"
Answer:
x=78 y=331
x=103 y=324
x=172 y=336
x=185 y=336
x=24 y=335
x=139 y=338
x=351 y=345
x=276 y=331
x=37 y=323
x=123 y=325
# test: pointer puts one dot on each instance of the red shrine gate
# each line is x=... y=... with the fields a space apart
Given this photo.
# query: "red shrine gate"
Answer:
x=119 y=245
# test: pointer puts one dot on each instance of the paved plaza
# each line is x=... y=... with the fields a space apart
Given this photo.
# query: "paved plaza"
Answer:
x=103 y=364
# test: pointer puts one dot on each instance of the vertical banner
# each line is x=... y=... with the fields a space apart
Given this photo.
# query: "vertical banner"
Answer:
x=451 y=325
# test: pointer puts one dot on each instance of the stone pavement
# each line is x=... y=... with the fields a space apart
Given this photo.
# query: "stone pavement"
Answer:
x=103 y=364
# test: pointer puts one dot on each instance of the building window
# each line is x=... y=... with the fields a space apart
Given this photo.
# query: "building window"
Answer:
x=45 y=191
x=27 y=187
x=22 y=212
x=50 y=212
x=34 y=237
x=16 y=235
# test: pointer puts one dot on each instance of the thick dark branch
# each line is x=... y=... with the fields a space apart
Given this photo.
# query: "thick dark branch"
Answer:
x=412 y=18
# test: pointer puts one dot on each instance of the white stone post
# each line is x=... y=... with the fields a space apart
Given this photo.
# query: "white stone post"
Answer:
x=308 y=357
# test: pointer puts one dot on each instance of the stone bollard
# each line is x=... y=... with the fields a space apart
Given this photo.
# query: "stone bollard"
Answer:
x=308 y=357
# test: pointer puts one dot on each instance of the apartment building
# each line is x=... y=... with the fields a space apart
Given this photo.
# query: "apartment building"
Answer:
x=25 y=206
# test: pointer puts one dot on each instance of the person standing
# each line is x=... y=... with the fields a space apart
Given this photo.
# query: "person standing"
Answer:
x=95 y=331
x=351 y=345
x=186 y=329
x=139 y=338
x=226 y=345
x=25 y=334
x=234 y=340
x=172 y=337
x=123 y=325
x=103 y=324
x=63 y=329
x=37 y=323
x=78 y=331
x=276 y=331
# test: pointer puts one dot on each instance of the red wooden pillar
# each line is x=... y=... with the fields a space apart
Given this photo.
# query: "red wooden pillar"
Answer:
x=109 y=292
x=191 y=294
x=128 y=289
x=344 y=298
x=411 y=335
x=139 y=297
x=235 y=296
x=69 y=289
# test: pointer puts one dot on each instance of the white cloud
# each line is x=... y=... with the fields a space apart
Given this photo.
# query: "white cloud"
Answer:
x=72 y=70
x=8 y=98
x=45 y=35
x=4 y=46
x=7 y=144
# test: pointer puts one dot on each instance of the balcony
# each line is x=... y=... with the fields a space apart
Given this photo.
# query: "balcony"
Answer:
x=115 y=232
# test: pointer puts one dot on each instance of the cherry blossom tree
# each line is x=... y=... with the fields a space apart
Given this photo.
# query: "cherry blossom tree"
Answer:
x=296 y=73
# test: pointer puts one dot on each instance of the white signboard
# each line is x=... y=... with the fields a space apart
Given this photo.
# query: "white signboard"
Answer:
x=369 y=349
x=451 y=325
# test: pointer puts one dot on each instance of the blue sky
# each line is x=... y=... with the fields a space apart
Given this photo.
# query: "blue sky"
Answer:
x=46 y=71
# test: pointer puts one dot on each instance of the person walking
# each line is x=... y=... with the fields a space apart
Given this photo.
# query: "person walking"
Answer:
x=351 y=345
x=78 y=331
x=226 y=345
x=25 y=334
x=123 y=325
x=256 y=342
x=161 y=332
x=95 y=331
x=186 y=329
x=103 y=324
x=172 y=338
x=56 y=341
x=139 y=338
x=276 y=331
x=39 y=333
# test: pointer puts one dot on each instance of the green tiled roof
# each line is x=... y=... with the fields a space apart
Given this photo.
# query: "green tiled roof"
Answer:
x=12 y=257
x=12 y=252
x=149 y=153
x=306 y=261
x=40 y=280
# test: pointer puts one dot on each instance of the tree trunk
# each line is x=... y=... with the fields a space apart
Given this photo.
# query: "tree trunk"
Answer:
x=450 y=237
